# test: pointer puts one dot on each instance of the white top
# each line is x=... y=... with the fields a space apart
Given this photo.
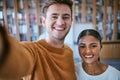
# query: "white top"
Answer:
x=110 y=74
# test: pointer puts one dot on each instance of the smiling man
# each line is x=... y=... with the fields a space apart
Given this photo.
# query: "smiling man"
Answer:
x=46 y=59
x=57 y=21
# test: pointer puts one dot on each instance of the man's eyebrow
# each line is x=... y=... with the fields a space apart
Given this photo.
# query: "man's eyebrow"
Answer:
x=63 y=14
x=67 y=14
x=54 y=14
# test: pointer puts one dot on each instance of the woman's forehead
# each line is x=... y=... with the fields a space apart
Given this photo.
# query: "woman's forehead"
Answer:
x=88 y=39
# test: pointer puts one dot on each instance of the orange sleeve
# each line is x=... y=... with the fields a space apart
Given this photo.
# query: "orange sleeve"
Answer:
x=18 y=62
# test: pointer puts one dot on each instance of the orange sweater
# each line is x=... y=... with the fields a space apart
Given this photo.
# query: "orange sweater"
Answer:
x=39 y=60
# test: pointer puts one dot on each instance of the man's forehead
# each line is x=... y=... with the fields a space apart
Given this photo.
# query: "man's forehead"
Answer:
x=59 y=7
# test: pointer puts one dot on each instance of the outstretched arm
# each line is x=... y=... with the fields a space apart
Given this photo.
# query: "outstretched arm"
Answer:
x=15 y=60
x=4 y=44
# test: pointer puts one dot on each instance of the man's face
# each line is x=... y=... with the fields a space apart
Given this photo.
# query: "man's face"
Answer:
x=57 y=21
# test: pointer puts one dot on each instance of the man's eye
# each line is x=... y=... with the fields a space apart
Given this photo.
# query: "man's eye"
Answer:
x=81 y=46
x=54 y=17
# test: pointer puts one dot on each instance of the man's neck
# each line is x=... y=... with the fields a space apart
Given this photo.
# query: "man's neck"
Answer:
x=55 y=43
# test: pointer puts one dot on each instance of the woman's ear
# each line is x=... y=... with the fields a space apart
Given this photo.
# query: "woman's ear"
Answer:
x=101 y=46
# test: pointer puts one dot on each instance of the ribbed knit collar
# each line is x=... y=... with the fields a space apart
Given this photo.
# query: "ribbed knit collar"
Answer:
x=51 y=48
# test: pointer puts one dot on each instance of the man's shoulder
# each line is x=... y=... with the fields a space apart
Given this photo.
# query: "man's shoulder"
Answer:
x=67 y=48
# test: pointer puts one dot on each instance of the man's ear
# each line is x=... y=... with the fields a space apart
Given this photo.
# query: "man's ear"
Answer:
x=43 y=20
x=72 y=19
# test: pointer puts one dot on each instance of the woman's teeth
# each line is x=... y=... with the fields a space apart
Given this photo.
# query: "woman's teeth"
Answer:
x=89 y=56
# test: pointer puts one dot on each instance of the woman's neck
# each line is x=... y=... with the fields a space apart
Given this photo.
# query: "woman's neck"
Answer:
x=95 y=68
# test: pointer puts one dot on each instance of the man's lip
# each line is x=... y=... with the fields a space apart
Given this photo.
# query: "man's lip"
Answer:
x=59 y=28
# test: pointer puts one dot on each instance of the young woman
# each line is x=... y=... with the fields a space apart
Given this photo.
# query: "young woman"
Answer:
x=89 y=46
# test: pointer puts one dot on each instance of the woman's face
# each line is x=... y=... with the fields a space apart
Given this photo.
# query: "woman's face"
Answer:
x=89 y=49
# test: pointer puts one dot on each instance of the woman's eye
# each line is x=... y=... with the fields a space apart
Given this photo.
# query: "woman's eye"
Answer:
x=94 y=46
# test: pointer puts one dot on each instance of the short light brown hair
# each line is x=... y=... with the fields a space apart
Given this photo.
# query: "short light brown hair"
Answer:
x=48 y=3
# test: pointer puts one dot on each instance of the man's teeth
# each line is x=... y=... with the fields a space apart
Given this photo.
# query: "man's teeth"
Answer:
x=88 y=56
x=59 y=28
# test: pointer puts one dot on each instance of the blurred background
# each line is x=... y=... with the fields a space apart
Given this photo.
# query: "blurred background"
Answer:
x=22 y=19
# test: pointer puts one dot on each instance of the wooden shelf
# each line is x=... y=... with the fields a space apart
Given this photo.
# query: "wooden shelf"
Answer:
x=80 y=10
x=111 y=42
x=20 y=26
x=104 y=17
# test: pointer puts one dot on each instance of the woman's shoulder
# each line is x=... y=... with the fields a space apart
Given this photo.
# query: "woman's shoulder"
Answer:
x=78 y=66
x=113 y=69
x=113 y=72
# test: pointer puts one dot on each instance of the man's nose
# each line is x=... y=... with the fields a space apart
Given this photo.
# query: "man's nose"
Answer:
x=60 y=21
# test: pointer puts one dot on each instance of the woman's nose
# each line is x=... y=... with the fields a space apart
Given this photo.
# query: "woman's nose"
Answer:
x=88 y=50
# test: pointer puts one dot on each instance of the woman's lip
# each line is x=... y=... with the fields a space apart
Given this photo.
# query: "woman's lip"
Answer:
x=89 y=56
